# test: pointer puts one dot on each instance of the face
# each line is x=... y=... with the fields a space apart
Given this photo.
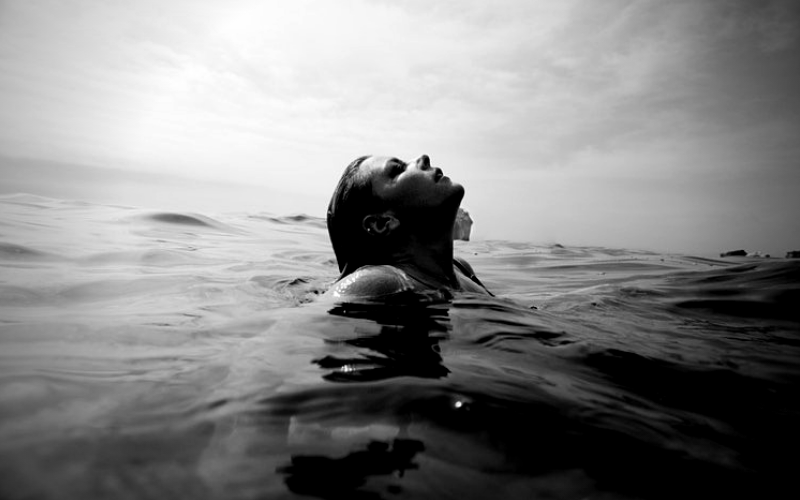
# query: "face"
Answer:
x=412 y=185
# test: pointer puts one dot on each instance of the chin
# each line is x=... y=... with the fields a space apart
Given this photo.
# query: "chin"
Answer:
x=454 y=197
x=458 y=191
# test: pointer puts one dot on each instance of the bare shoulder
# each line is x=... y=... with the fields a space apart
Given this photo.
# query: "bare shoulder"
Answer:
x=470 y=283
x=464 y=266
x=371 y=281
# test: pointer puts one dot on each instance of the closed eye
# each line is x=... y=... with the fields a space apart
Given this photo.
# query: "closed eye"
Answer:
x=396 y=168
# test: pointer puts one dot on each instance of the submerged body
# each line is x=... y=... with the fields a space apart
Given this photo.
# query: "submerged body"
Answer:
x=383 y=281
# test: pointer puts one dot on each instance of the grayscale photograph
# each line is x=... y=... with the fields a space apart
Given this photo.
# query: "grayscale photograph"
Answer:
x=399 y=249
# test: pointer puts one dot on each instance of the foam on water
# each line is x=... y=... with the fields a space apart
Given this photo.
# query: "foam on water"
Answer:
x=151 y=354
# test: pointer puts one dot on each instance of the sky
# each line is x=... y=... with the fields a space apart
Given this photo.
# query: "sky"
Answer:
x=662 y=125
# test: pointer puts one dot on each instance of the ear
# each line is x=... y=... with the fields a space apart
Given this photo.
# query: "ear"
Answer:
x=380 y=224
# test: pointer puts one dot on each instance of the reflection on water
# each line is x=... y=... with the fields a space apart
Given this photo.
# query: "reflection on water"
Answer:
x=326 y=477
x=407 y=344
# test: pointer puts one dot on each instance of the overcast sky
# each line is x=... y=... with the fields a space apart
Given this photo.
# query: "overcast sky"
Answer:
x=651 y=124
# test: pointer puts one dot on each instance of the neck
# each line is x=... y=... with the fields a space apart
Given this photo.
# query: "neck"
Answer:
x=429 y=259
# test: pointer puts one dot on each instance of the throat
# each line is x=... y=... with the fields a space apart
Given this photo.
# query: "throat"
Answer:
x=434 y=277
x=428 y=258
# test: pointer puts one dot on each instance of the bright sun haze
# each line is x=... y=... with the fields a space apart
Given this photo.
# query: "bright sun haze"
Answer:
x=662 y=125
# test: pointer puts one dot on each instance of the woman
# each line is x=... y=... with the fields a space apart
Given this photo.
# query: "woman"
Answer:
x=391 y=226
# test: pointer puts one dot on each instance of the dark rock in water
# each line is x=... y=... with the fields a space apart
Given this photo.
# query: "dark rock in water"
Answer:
x=793 y=254
x=734 y=253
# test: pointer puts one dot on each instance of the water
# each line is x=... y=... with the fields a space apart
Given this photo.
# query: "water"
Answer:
x=147 y=354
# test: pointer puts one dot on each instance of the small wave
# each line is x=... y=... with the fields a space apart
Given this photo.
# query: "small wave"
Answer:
x=148 y=258
x=604 y=266
x=298 y=289
x=775 y=306
x=28 y=200
x=756 y=290
x=187 y=220
x=194 y=221
x=303 y=219
x=121 y=289
x=706 y=260
x=500 y=324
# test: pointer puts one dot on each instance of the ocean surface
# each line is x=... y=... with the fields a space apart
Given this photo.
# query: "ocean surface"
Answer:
x=147 y=354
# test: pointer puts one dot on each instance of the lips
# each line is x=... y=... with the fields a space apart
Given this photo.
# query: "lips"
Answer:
x=438 y=174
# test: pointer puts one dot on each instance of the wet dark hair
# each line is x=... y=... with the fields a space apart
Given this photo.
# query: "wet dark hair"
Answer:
x=352 y=200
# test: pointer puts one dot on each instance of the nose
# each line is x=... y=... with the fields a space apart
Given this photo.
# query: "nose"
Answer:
x=423 y=162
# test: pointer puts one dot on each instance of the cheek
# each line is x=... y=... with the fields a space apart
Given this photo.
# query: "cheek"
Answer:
x=417 y=189
x=411 y=191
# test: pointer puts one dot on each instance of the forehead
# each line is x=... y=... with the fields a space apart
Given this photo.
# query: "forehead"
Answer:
x=375 y=164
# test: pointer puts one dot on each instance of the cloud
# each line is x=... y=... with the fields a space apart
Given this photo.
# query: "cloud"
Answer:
x=611 y=98
x=772 y=26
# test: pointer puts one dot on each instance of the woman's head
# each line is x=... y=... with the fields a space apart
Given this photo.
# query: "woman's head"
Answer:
x=351 y=198
x=380 y=199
